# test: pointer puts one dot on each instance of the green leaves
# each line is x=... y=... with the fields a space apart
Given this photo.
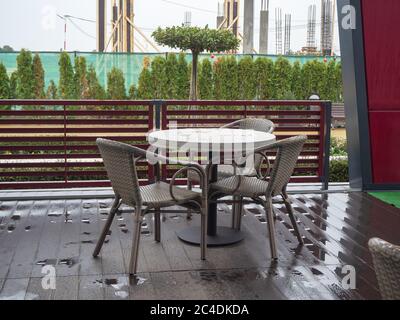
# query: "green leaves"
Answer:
x=116 y=85
x=66 y=86
x=4 y=83
x=25 y=81
x=95 y=90
x=206 y=80
x=196 y=39
x=38 y=74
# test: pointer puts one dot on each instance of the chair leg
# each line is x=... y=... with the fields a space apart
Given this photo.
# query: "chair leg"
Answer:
x=237 y=210
x=292 y=216
x=106 y=227
x=157 y=225
x=271 y=227
x=189 y=212
x=137 y=225
x=203 y=240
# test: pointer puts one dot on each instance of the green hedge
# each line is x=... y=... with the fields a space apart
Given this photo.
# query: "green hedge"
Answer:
x=227 y=77
x=339 y=171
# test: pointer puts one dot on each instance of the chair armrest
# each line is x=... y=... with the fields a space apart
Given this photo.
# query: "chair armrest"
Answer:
x=195 y=168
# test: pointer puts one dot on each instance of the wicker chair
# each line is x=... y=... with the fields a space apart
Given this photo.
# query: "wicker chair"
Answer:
x=288 y=151
x=120 y=161
x=386 y=259
x=225 y=171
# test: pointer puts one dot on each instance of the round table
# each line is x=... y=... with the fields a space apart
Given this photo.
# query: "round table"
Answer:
x=210 y=142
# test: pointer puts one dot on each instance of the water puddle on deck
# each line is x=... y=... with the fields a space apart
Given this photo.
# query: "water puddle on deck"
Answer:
x=121 y=284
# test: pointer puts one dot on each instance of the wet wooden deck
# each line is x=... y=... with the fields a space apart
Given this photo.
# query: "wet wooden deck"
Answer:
x=336 y=229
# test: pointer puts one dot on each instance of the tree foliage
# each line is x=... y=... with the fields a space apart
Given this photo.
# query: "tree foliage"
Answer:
x=170 y=75
x=66 y=86
x=197 y=40
x=6 y=48
x=282 y=78
x=13 y=85
x=4 y=83
x=182 y=79
x=116 y=85
x=80 y=79
x=159 y=78
x=296 y=81
x=145 y=84
x=51 y=92
x=132 y=92
x=263 y=69
x=206 y=80
x=246 y=78
x=95 y=89
x=38 y=74
x=25 y=88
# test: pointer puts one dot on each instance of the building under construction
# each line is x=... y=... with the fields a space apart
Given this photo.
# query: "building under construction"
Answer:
x=327 y=26
x=311 y=46
x=121 y=38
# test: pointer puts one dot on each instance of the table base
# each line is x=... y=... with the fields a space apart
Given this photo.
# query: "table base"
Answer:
x=225 y=236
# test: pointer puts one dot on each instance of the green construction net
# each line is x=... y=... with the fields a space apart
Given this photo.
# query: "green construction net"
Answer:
x=130 y=63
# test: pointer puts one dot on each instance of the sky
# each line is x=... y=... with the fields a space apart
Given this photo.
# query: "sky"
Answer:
x=34 y=24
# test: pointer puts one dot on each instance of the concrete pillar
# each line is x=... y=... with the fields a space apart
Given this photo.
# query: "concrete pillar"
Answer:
x=101 y=25
x=248 y=29
x=264 y=28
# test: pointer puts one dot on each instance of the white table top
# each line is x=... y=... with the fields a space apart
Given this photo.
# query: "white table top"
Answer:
x=221 y=138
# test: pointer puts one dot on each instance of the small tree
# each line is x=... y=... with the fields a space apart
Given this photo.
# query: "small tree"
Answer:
x=197 y=40
x=4 y=83
x=338 y=83
x=80 y=79
x=282 y=78
x=263 y=71
x=132 y=92
x=51 y=92
x=158 y=76
x=182 y=78
x=145 y=84
x=206 y=80
x=116 y=85
x=296 y=85
x=247 y=87
x=13 y=85
x=66 y=86
x=38 y=74
x=25 y=80
x=170 y=75
x=95 y=89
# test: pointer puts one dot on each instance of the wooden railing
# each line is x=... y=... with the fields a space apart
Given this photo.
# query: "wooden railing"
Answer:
x=51 y=144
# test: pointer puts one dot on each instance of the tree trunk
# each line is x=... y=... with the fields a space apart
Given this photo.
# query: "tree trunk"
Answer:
x=193 y=82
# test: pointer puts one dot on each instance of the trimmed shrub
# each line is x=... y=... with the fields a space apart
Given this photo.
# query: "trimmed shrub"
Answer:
x=338 y=171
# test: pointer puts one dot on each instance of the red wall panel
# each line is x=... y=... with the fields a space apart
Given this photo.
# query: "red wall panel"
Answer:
x=385 y=145
x=381 y=21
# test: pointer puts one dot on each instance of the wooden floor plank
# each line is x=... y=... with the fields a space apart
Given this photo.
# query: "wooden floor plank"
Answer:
x=90 y=288
x=336 y=229
x=66 y=288
x=15 y=289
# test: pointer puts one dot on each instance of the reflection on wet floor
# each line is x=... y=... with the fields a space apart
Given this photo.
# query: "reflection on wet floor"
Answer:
x=335 y=230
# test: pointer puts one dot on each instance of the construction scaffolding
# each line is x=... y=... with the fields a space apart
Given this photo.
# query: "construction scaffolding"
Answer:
x=122 y=36
x=288 y=31
x=311 y=46
x=278 y=31
x=326 y=27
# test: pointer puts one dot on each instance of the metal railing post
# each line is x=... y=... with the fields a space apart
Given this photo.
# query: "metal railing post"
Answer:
x=327 y=143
